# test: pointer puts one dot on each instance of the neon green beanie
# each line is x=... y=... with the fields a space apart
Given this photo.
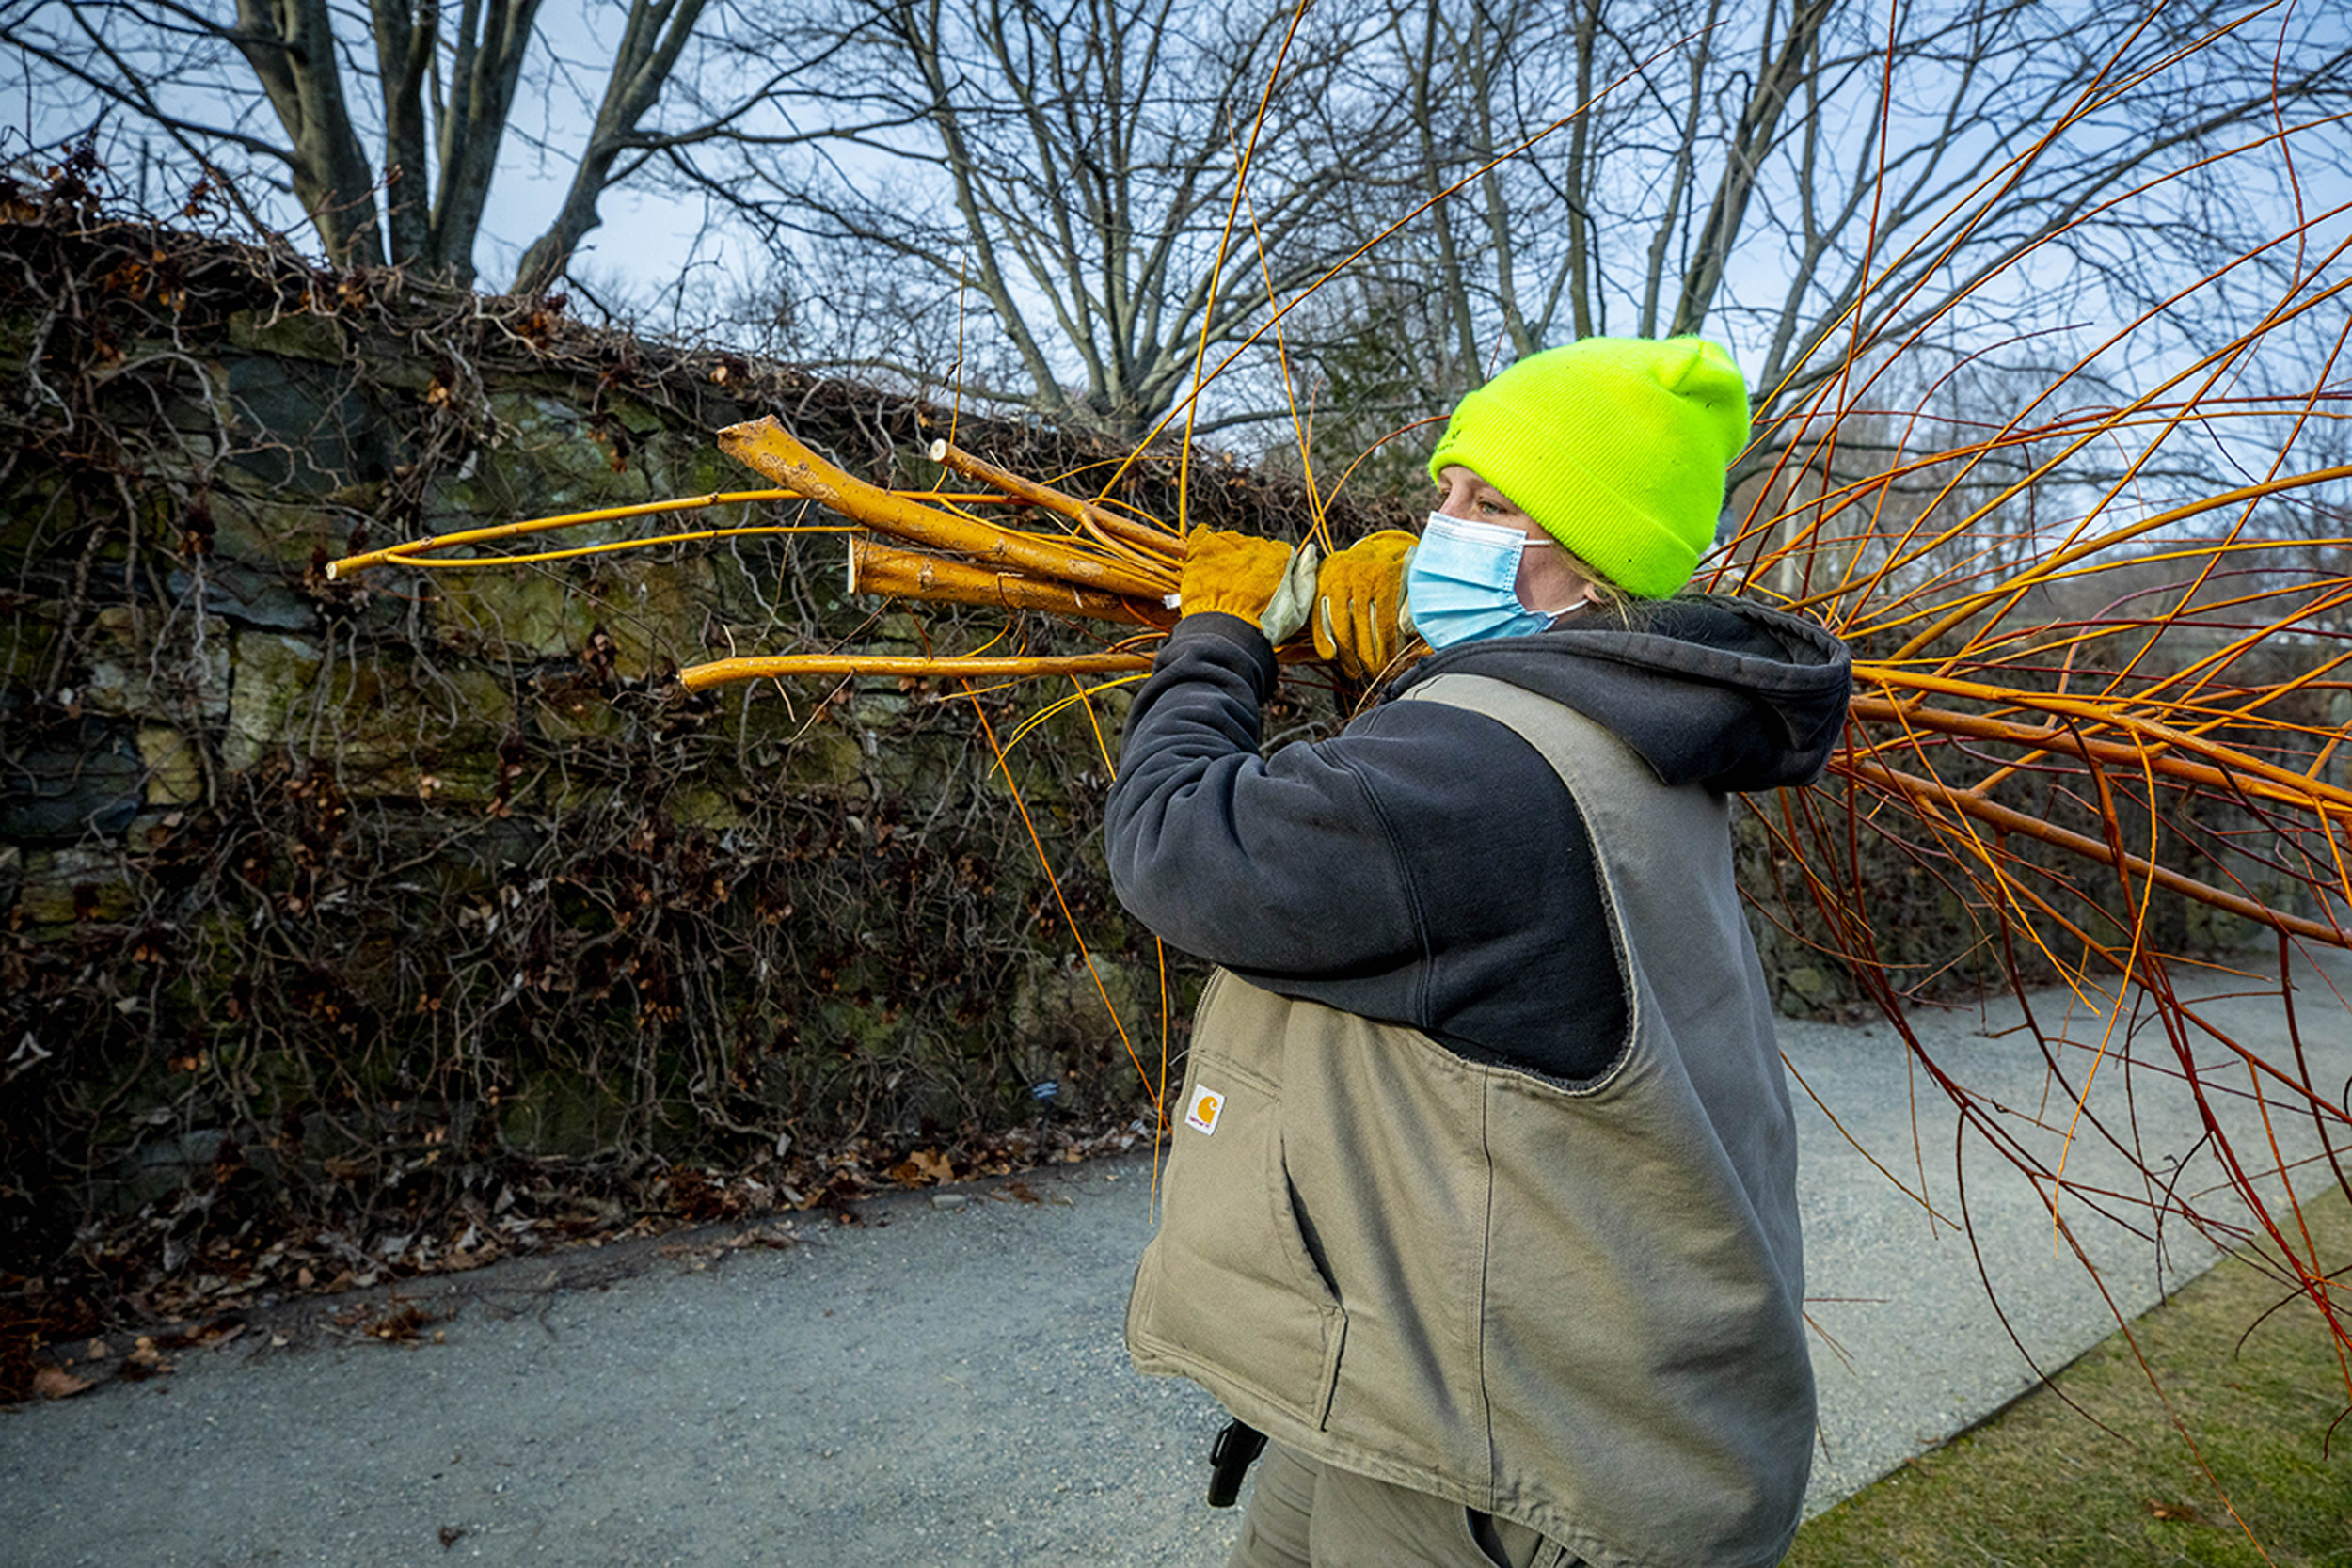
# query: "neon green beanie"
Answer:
x=1616 y=446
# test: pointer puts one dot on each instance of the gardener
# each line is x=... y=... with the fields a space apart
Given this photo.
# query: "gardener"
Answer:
x=1482 y=1201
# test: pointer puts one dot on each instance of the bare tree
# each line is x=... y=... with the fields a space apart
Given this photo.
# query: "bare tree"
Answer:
x=1073 y=170
x=1810 y=176
x=436 y=85
x=1049 y=194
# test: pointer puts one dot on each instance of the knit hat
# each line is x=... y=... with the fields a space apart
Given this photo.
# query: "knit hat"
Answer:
x=1616 y=446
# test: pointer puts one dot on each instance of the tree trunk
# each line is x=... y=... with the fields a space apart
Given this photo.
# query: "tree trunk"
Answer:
x=404 y=46
x=291 y=46
x=657 y=31
x=1780 y=74
x=492 y=37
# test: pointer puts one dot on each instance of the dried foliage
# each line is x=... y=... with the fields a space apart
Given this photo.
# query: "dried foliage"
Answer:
x=359 y=929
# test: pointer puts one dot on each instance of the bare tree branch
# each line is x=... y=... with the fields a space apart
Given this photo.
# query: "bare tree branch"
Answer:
x=1073 y=170
x=436 y=82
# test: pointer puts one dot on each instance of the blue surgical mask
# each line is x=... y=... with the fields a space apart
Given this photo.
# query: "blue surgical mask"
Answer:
x=1462 y=583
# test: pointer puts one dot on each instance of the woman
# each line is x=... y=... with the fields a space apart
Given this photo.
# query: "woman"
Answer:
x=1482 y=1206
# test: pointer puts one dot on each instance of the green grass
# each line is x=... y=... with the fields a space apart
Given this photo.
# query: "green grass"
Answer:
x=2040 y=1486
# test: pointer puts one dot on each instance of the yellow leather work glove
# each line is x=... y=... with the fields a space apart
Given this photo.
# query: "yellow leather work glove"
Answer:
x=1258 y=579
x=1359 y=621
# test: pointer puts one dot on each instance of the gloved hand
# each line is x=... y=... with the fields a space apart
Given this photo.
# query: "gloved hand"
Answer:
x=1360 y=619
x=1258 y=579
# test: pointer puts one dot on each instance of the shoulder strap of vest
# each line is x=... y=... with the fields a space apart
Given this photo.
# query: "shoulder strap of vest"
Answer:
x=1563 y=736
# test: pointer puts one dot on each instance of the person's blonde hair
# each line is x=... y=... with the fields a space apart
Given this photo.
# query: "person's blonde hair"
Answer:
x=1600 y=593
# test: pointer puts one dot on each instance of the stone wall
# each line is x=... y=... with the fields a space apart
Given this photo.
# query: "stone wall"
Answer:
x=351 y=898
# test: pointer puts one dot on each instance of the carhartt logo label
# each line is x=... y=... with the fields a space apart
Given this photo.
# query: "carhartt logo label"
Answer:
x=1206 y=1104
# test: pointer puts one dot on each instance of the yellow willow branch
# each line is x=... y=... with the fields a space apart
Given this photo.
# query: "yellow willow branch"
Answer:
x=2212 y=365
x=1200 y=384
x=701 y=677
x=1128 y=660
x=2303 y=787
x=615 y=546
x=1080 y=699
x=767 y=446
x=1976 y=602
x=1012 y=787
x=1926 y=795
x=1127 y=531
x=404 y=552
x=2039 y=737
x=876 y=568
x=1834 y=502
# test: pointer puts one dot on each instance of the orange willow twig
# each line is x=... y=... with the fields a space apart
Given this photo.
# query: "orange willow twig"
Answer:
x=405 y=552
x=701 y=677
x=1974 y=603
x=1837 y=500
x=1930 y=793
x=1122 y=530
x=877 y=568
x=2300 y=787
x=1157 y=1091
x=2044 y=737
x=767 y=446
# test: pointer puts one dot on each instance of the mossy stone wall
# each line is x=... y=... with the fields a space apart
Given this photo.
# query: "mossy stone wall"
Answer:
x=346 y=896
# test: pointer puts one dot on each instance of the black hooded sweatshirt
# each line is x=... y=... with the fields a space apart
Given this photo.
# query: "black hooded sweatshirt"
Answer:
x=1426 y=867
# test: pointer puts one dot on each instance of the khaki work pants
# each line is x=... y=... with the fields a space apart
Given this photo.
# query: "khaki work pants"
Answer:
x=1304 y=1514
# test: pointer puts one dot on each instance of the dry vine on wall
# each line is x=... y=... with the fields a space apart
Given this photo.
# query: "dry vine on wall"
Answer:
x=355 y=929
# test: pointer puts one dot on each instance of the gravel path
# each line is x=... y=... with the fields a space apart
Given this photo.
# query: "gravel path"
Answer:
x=944 y=1383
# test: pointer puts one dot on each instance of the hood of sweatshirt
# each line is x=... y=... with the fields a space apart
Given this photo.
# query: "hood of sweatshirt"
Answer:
x=1708 y=689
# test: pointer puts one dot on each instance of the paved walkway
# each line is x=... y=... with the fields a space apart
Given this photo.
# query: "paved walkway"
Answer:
x=945 y=1385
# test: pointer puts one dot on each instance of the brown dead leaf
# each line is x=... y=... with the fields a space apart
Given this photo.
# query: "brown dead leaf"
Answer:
x=213 y=1334
x=55 y=1382
x=400 y=1324
x=694 y=1196
x=2177 y=1514
x=775 y=1236
x=145 y=1361
x=924 y=1168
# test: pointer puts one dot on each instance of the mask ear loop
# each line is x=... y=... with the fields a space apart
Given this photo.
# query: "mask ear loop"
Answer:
x=1580 y=602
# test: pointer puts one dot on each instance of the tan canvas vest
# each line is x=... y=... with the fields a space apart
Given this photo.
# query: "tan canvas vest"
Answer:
x=1575 y=1306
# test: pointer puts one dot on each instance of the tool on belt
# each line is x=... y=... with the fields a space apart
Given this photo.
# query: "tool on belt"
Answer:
x=1230 y=1457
